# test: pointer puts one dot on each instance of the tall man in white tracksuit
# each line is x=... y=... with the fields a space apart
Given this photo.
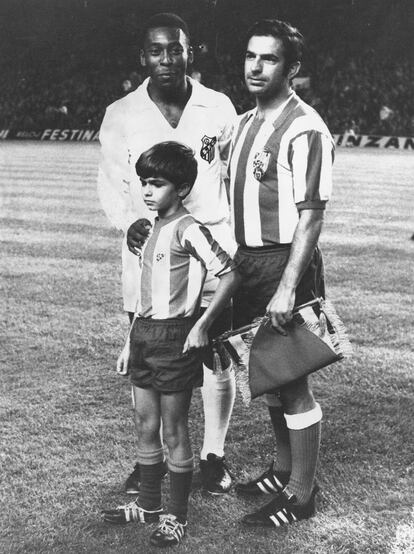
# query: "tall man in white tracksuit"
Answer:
x=171 y=106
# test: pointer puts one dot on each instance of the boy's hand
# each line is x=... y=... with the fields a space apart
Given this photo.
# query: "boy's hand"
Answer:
x=197 y=338
x=137 y=234
x=123 y=359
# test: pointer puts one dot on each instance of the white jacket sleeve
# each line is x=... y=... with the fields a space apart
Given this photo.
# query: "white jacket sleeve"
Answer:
x=229 y=116
x=114 y=170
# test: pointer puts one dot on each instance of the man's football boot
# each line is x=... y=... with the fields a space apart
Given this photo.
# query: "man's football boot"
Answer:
x=215 y=475
x=282 y=510
x=269 y=482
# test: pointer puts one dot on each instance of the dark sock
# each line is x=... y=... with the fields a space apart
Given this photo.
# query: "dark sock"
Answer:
x=150 y=489
x=283 y=455
x=305 y=449
x=180 y=488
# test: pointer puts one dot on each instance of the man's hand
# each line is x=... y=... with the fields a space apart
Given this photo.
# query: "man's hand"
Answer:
x=304 y=242
x=137 y=234
x=280 y=309
x=123 y=359
x=197 y=338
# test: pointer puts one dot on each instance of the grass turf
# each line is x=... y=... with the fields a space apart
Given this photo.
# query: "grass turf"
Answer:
x=67 y=436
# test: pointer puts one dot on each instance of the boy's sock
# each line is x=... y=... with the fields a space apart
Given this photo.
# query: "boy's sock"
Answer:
x=304 y=433
x=283 y=460
x=218 y=392
x=181 y=474
x=151 y=466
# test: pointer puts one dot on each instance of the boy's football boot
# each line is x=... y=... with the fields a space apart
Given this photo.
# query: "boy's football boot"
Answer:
x=169 y=531
x=130 y=513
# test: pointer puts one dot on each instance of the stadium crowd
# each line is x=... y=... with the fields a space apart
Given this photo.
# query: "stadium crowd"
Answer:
x=70 y=85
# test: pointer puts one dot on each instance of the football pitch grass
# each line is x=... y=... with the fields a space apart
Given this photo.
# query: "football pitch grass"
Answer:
x=67 y=440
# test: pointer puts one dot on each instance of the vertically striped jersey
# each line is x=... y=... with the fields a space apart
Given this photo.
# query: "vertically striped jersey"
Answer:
x=133 y=124
x=175 y=260
x=277 y=168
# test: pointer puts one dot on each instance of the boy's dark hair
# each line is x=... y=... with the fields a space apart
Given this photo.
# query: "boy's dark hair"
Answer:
x=171 y=160
x=292 y=40
x=165 y=20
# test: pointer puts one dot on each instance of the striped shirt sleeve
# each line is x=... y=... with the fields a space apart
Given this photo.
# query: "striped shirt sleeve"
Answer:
x=197 y=240
x=311 y=157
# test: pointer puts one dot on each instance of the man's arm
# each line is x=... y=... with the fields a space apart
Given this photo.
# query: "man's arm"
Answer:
x=114 y=181
x=113 y=176
x=311 y=157
x=229 y=117
x=304 y=242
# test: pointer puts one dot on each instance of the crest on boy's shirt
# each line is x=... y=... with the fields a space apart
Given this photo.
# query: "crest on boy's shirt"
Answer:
x=208 y=151
x=260 y=164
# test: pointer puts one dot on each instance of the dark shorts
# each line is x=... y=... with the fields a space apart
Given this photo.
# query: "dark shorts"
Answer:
x=156 y=358
x=261 y=270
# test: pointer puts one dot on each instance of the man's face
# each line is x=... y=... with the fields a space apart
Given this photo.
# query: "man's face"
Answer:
x=166 y=54
x=264 y=67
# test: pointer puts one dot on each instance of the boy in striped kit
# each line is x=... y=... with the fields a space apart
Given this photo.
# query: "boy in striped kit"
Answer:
x=280 y=181
x=164 y=350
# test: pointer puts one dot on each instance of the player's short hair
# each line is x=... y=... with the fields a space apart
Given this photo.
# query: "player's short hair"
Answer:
x=171 y=160
x=292 y=40
x=165 y=19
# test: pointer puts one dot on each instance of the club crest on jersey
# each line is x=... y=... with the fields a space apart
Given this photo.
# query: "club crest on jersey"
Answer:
x=260 y=164
x=208 y=151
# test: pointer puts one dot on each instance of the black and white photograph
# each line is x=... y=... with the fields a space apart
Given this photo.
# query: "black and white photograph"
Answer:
x=207 y=232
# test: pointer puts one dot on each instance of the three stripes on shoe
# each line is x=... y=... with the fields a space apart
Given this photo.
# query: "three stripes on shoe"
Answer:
x=170 y=526
x=268 y=487
x=133 y=512
x=282 y=517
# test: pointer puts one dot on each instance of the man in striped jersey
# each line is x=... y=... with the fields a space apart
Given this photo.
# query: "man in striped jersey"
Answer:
x=164 y=351
x=280 y=181
x=171 y=106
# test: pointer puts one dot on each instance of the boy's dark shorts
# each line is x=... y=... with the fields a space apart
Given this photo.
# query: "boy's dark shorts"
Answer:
x=156 y=357
x=261 y=270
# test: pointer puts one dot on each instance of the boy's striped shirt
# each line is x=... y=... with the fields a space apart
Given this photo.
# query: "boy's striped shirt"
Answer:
x=175 y=261
x=278 y=167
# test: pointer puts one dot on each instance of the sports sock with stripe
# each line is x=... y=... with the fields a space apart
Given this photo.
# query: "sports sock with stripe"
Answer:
x=304 y=433
x=181 y=475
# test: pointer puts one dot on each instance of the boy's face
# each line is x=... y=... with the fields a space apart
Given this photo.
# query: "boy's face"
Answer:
x=161 y=195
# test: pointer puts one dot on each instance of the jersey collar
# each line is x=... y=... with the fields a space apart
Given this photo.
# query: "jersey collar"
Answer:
x=281 y=113
x=287 y=108
x=199 y=95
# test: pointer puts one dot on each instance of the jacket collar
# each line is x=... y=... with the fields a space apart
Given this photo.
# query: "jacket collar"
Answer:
x=198 y=95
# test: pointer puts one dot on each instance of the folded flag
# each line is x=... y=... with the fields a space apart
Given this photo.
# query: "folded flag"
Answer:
x=266 y=360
